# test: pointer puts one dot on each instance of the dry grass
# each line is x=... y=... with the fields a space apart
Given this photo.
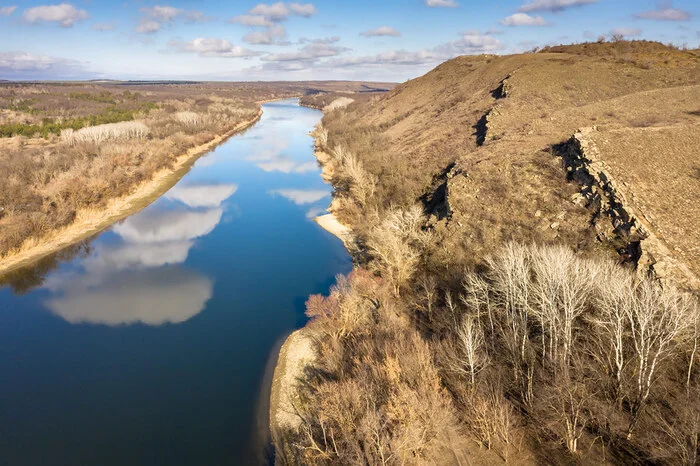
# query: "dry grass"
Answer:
x=552 y=353
x=112 y=132
x=495 y=119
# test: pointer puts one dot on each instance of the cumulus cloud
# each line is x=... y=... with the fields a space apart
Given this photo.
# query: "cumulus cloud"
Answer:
x=139 y=279
x=162 y=13
x=167 y=296
x=523 y=19
x=664 y=12
x=64 y=14
x=147 y=26
x=381 y=31
x=276 y=11
x=211 y=47
x=166 y=225
x=302 y=196
x=276 y=34
x=441 y=3
x=269 y=16
x=626 y=32
x=324 y=55
x=394 y=57
x=553 y=5
x=310 y=52
x=23 y=65
x=252 y=20
x=155 y=17
x=307 y=10
x=202 y=196
x=280 y=11
x=104 y=26
x=7 y=10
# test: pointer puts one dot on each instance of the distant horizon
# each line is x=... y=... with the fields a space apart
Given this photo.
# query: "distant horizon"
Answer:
x=324 y=40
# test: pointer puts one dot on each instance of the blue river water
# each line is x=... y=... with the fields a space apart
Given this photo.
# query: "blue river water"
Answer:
x=151 y=343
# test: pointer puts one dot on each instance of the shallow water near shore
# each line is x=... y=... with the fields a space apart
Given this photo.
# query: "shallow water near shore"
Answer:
x=149 y=343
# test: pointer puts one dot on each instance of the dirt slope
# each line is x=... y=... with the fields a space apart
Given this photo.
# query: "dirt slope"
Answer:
x=477 y=140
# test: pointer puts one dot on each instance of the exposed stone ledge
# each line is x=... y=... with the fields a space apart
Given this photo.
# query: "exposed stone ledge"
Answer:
x=610 y=200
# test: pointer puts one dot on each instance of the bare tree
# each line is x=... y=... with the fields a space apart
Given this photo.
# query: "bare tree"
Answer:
x=561 y=292
x=362 y=184
x=472 y=351
x=477 y=298
x=614 y=298
x=656 y=318
x=429 y=291
x=510 y=274
x=567 y=405
x=397 y=244
x=694 y=325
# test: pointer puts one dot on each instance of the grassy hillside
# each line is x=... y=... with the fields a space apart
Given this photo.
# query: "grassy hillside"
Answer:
x=526 y=259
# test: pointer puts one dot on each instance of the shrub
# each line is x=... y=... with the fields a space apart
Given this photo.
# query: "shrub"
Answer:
x=108 y=132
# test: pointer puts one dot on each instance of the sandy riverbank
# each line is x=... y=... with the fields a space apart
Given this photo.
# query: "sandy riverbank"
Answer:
x=296 y=353
x=331 y=224
x=91 y=221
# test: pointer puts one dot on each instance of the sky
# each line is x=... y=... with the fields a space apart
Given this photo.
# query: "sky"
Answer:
x=240 y=40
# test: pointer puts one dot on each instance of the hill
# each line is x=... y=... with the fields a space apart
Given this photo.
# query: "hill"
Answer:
x=525 y=235
x=478 y=137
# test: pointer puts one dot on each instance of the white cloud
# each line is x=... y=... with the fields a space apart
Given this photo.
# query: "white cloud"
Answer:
x=162 y=13
x=381 y=31
x=553 y=5
x=306 y=10
x=202 y=196
x=272 y=35
x=160 y=226
x=664 y=12
x=211 y=47
x=137 y=280
x=155 y=17
x=252 y=20
x=469 y=43
x=523 y=19
x=276 y=12
x=104 y=26
x=626 y=32
x=151 y=297
x=310 y=52
x=302 y=196
x=287 y=165
x=65 y=14
x=7 y=10
x=441 y=3
x=196 y=17
x=22 y=65
x=148 y=26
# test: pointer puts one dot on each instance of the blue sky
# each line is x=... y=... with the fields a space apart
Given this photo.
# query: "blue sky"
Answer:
x=365 y=39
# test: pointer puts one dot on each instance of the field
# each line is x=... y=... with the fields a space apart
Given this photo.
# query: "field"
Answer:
x=70 y=148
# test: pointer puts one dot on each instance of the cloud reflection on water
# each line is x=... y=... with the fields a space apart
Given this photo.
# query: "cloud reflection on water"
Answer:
x=139 y=278
x=302 y=196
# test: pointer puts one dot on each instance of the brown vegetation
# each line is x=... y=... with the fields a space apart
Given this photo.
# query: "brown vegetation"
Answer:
x=497 y=315
x=65 y=148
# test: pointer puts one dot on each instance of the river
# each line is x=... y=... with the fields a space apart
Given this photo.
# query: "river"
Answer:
x=152 y=343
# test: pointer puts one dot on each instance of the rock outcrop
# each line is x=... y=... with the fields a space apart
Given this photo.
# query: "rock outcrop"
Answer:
x=615 y=216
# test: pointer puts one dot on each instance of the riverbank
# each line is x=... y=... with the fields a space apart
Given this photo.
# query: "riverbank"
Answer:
x=298 y=352
x=295 y=355
x=91 y=221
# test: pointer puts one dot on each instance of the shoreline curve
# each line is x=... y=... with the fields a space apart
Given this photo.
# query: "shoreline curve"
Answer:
x=89 y=222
